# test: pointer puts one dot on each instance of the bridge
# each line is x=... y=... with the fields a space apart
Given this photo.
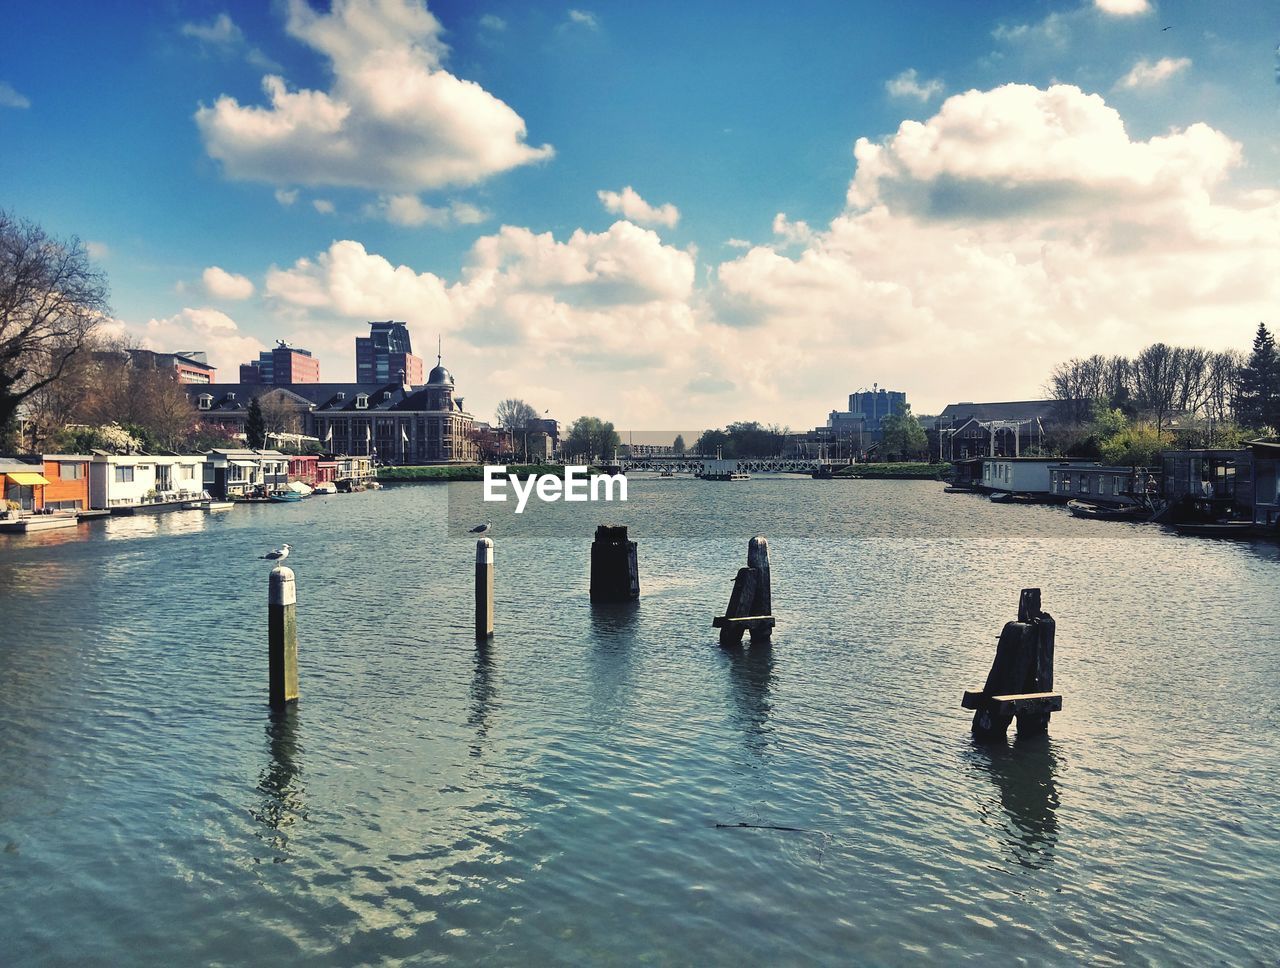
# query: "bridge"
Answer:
x=746 y=465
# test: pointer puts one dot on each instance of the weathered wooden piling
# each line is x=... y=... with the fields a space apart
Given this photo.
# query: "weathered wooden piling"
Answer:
x=484 y=589
x=282 y=637
x=751 y=601
x=615 y=567
x=1020 y=682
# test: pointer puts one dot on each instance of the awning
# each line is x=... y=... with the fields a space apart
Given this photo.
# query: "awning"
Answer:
x=243 y=463
x=26 y=479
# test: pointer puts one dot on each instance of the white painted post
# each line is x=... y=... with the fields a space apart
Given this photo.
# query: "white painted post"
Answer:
x=484 y=589
x=282 y=637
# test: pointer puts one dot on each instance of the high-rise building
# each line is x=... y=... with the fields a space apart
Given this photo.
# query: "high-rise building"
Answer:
x=281 y=366
x=386 y=355
x=875 y=404
x=188 y=366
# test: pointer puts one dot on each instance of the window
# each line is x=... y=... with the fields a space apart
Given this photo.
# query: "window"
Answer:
x=205 y=401
x=1084 y=483
x=362 y=401
x=71 y=471
x=124 y=475
x=386 y=394
x=186 y=471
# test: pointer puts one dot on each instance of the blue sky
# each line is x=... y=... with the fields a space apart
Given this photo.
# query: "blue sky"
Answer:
x=653 y=212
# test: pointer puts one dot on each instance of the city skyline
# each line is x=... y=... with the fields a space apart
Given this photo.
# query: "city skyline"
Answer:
x=668 y=215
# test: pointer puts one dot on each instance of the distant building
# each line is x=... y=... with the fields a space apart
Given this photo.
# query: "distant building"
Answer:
x=281 y=366
x=1009 y=429
x=386 y=355
x=189 y=366
x=391 y=421
x=876 y=404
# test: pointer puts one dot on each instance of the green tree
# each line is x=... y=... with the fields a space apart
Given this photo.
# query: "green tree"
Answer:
x=677 y=446
x=255 y=426
x=1258 y=398
x=591 y=437
x=902 y=437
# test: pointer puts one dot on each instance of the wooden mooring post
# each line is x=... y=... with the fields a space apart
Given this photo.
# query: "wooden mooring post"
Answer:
x=484 y=589
x=751 y=601
x=282 y=637
x=615 y=567
x=1020 y=682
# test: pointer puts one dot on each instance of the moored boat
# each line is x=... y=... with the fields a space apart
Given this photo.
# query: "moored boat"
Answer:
x=1217 y=529
x=285 y=497
x=39 y=522
x=1104 y=512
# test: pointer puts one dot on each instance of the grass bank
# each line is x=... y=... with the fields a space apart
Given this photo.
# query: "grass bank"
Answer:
x=900 y=471
x=458 y=472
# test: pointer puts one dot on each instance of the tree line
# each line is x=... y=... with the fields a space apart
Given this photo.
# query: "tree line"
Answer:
x=1166 y=383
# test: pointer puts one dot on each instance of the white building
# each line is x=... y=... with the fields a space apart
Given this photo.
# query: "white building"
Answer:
x=131 y=480
x=1023 y=475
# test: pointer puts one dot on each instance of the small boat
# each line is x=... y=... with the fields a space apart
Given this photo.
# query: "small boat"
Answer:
x=219 y=505
x=667 y=474
x=1103 y=512
x=285 y=497
x=734 y=476
x=958 y=489
x=1217 y=529
x=328 y=487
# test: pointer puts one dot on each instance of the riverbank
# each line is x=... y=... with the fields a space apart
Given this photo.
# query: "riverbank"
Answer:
x=897 y=471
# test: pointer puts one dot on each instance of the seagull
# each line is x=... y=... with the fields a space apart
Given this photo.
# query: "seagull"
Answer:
x=478 y=529
x=279 y=555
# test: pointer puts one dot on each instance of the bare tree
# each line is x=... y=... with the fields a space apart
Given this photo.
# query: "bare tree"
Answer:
x=1155 y=381
x=514 y=414
x=51 y=299
x=278 y=414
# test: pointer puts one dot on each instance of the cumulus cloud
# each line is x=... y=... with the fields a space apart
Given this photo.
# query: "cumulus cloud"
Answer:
x=584 y=18
x=1123 y=8
x=737 y=243
x=791 y=232
x=10 y=98
x=620 y=295
x=1015 y=228
x=908 y=85
x=323 y=206
x=394 y=120
x=201 y=329
x=1147 y=74
x=629 y=204
x=410 y=211
x=286 y=197
x=226 y=285
x=1020 y=150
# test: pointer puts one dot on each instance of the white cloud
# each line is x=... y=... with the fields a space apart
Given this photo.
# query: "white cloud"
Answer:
x=394 y=120
x=223 y=35
x=10 y=98
x=201 y=329
x=492 y=21
x=1018 y=150
x=1015 y=228
x=323 y=206
x=1123 y=8
x=226 y=285
x=629 y=204
x=286 y=197
x=619 y=295
x=791 y=232
x=737 y=243
x=908 y=85
x=97 y=250
x=410 y=211
x=584 y=18
x=1147 y=74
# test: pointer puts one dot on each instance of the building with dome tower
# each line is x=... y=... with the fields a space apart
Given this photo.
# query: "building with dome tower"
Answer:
x=396 y=423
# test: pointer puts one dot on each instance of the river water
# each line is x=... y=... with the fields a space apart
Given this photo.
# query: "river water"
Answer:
x=553 y=798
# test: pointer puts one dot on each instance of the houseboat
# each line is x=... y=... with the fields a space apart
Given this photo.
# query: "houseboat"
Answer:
x=1024 y=478
x=144 y=483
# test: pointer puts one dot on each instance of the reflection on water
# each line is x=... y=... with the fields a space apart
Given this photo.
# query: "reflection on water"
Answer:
x=129 y=526
x=1025 y=773
x=283 y=801
x=750 y=670
x=483 y=694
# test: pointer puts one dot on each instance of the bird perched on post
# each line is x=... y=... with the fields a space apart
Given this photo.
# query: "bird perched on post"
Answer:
x=482 y=528
x=279 y=554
